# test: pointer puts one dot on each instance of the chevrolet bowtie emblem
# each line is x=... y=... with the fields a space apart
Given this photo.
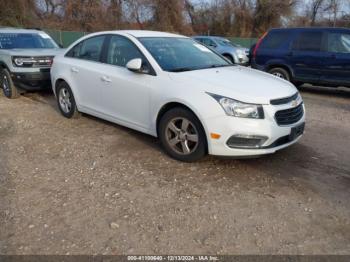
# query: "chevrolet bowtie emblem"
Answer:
x=294 y=103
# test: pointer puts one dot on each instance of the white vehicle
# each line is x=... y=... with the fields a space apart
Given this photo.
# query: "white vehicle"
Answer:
x=174 y=88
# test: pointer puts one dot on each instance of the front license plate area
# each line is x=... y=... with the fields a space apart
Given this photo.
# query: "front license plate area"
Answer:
x=296 y=132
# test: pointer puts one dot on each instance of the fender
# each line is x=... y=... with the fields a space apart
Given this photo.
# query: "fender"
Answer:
x=3 y=65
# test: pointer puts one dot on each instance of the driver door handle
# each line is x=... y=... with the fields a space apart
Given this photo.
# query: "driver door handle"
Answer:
x=106 y=79
x=74 y=70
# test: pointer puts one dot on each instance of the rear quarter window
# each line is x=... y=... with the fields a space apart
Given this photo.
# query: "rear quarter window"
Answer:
x=308 y=41
x=275 y=39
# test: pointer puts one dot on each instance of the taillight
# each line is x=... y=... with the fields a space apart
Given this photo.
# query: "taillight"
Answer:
x=258 y=44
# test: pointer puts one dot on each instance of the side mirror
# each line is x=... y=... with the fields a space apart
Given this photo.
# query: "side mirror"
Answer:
x=135 y=65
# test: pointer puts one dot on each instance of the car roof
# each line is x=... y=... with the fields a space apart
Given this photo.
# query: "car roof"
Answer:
x=19 y=30
x=146 y=33
x=212 y=37
x=309 y=29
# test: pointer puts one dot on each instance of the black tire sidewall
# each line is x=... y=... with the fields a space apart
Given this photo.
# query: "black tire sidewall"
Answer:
x=73 y=110
x=281 y=71
x=201 y=149
x=12 y=93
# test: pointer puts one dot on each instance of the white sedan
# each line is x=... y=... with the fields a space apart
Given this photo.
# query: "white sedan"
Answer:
x=173 y=88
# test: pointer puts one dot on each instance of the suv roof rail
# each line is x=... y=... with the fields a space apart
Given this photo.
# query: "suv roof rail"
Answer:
x=34 y=28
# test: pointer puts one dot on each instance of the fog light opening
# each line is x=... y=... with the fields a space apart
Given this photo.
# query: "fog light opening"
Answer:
x=246 y=141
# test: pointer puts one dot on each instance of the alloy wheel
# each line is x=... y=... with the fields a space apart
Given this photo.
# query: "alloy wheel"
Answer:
x=64 y=99
x=6 y=85
x=182 y=136
x=280 y=75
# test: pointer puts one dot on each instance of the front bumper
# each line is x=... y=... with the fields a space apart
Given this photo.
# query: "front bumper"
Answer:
x=276 y=137
x=32 y=80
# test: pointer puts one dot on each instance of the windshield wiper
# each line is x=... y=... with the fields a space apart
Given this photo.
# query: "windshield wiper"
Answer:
x=216 y=66
x=181 y=69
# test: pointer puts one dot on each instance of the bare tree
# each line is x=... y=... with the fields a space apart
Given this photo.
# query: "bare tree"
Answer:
x=268 y=13
x=333 y=7
x=315 y=7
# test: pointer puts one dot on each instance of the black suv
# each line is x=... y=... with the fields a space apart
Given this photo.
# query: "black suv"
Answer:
x=319 y=56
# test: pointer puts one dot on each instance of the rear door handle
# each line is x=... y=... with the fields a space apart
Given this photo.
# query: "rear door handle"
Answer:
x=106 y=79
x=74 y=70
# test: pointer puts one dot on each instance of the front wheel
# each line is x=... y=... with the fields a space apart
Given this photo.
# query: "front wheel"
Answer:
x=65 y=100
x=8 y=88
x=182 y=135
x=280 y=72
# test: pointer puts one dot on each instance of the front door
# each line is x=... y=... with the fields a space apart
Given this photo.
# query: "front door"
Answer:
x=126 y=94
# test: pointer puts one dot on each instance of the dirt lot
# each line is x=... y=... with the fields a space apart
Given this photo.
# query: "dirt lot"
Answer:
x=86 y=186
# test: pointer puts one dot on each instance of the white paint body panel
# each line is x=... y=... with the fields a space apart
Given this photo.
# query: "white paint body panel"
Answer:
x=134 y=100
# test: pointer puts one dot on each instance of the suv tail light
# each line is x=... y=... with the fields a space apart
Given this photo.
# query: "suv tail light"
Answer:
x=258 y=45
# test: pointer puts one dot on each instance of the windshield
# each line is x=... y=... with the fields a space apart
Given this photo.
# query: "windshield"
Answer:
x=182 y=54
x=227 y=42
x=25 y=40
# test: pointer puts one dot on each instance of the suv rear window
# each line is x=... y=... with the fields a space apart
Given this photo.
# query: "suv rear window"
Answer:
x=26 y=40
x=308 y=41
x=339 y=42
x=275 y=39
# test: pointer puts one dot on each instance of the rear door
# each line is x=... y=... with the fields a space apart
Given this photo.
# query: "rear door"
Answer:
x=84 y=71
x=306 y=55
x=336 y=67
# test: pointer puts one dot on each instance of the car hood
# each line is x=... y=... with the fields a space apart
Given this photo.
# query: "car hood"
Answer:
x=240 y=83
x=35 y=52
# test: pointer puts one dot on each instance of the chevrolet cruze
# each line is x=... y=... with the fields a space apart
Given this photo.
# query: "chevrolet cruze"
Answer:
x=178 y=90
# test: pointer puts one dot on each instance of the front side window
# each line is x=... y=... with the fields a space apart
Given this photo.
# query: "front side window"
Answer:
x=26 y=40
x=226 y=42
x=89 y=49
x=182 y=54
x=121 y=51
x=308 y=41
x=339 y=43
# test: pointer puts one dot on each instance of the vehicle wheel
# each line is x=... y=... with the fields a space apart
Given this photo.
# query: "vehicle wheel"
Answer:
x=182 y=135
x=66 y=102
x=8 y=88
x=280 y=72
x=229 y=58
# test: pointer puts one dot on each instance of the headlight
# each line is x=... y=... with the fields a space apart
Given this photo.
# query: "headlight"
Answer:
x=239 y=109
x=25 y=61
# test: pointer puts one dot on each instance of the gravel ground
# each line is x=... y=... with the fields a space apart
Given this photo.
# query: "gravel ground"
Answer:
x=86 y=186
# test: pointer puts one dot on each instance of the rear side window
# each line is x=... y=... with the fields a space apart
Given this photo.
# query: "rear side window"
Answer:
x=208 y=42
x=275 y=39
x=308 y=41
x=338 y=43
x=89 y=49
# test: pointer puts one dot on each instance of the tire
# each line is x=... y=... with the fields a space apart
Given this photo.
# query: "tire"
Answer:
x=280 y=72
x=182 y=135
x=230 y=58
x=8 y=88
x=65 y=101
